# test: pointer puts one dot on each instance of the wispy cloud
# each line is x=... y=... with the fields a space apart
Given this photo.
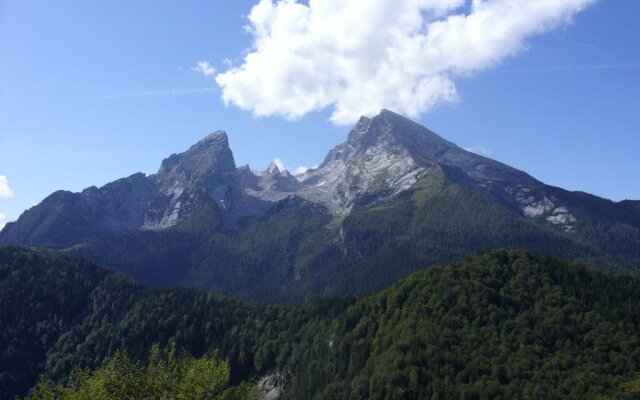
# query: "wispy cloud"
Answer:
x=5 y=190
x=3 y=220
x=151 y=93
x=479 y=149
x=574 y=68
x=578 y=44
x=204 y=68
x=307 y=56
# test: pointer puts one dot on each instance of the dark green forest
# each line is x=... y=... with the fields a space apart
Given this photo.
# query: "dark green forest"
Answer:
x=503 y=324
x=297 y=251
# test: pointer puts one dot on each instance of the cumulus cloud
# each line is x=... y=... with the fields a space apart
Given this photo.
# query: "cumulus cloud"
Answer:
x=3 y=220
x=358 y=56
x=204 y=68
x=5 y=190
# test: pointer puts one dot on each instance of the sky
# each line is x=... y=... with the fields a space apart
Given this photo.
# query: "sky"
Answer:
x=95 y=91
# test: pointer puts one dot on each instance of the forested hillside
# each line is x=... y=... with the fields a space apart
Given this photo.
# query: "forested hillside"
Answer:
x=392 y=199
x=503 y=324
x=296 y=251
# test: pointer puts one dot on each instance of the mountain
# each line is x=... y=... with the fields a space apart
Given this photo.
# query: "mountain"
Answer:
x=393 y=198
x=383 y=156
x=503 y=324
x=389 y=153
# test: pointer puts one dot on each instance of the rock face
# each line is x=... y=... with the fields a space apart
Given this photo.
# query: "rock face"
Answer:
x=272 y=386
x=388 y=153
x=208 y=166
x=64 y=217
x=382 y=156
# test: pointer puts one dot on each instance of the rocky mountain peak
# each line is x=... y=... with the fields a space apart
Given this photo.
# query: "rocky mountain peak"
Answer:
x=393 y=134
x=208 y=166
x=383 y=155
x=388 y=153
x=359 y=130
x=210 y=156
x=420 y=142
x=216 y=139
x=273 y=168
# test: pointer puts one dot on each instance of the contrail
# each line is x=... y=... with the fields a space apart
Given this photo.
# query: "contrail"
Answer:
x=578 y=44
x=150 y=93
x=575 y=68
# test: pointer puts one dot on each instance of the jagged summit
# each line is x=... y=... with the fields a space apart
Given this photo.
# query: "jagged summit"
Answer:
x=206 y=167
x=382 y=156
x=395 y=133
x=394 y=197
x=210 y=155
x=388 y=153
x=273 y=168
x=397 y=126
x=215 y=139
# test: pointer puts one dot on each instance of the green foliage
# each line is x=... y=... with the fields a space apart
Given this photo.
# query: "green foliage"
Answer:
x=632 y=388
x=41 y=298
x=503 y=324
x=434 y=222
x=612 y=228
x=629 y=390
x=176 y=377
x=500 y=325
x=297 y=251
x=258 y=263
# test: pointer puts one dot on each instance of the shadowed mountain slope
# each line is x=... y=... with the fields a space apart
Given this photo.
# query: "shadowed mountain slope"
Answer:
x=393 y=198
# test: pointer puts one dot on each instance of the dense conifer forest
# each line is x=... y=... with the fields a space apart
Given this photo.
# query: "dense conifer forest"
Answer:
x=502 y=324
x=297 y=251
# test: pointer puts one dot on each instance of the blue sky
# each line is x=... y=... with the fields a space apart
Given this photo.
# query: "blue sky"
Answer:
x=94 y=91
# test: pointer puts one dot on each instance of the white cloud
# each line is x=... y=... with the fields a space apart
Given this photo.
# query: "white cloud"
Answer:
x=358 y=56
x=278 y=162
x=479 y=149
x=204 y=68
x=3 y=220
x=301 y=170
x=5 y=190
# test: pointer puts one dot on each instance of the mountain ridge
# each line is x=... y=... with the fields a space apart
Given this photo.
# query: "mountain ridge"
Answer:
x=378 y=208
x=382 y=156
